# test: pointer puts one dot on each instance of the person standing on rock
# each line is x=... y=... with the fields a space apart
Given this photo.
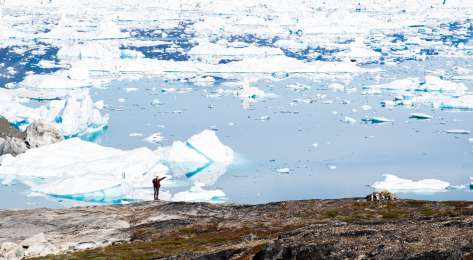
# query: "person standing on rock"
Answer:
x=157 y=186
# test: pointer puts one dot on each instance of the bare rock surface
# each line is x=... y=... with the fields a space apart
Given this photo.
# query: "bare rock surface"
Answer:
x=312 y=229
x=39 y=133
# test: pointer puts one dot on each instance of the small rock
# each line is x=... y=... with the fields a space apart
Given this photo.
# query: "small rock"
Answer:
x=381 y=196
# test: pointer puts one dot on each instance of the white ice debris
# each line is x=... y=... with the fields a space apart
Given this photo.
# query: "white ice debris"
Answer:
x=349 y=120
x=398 y=185
x=154 y=138
x=250 y=94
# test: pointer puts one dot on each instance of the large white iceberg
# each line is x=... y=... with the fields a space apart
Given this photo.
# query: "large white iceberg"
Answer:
x=79 y=167
x=81 y=170
x=202 y=158
x=398 y=185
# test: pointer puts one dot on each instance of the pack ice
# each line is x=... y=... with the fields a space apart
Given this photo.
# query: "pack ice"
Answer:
x=84 y=171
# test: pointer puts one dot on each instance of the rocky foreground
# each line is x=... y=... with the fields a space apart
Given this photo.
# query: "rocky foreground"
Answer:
x=312 y=229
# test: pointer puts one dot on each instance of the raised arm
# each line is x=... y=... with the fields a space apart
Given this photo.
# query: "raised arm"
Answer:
x=162 y=178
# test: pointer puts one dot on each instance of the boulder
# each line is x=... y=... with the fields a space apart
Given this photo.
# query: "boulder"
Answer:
x=41 y=133
x=12 y=145
x=381 y=196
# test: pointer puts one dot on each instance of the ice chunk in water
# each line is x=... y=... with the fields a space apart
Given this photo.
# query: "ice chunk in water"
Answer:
x=154 y=138
x=420 y=116
x=398 y=185
x=283 y=170
x=349 y=120
x=377 y=120
x=458 y=131
x=198 y=193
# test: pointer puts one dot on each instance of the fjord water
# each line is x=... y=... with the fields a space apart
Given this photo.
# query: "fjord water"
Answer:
x=326 y=157
x=299 y=94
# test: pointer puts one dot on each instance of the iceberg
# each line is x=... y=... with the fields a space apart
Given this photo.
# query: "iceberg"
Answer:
x=204 y=147
x=395 y=184
x=80 y=170
x=75 y=167
x=202 y=158
x=74 y=115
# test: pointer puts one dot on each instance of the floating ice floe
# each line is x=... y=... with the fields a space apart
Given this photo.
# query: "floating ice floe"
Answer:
x=80 y=170
x=349 y=120
x=431 y=83
x=461 y=103
x=395 y=184
x=249 y=94
x=283 y=170
x=377 y=120
x=420 y=116
x=400 y=84
x=458 y=131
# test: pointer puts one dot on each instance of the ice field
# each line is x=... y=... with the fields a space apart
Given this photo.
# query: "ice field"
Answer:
x=238 y=101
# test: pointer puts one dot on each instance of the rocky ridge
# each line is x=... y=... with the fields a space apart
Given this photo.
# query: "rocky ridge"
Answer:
x=312 y=229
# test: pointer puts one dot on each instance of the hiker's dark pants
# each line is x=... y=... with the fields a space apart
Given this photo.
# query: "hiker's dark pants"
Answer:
x=156 y=193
